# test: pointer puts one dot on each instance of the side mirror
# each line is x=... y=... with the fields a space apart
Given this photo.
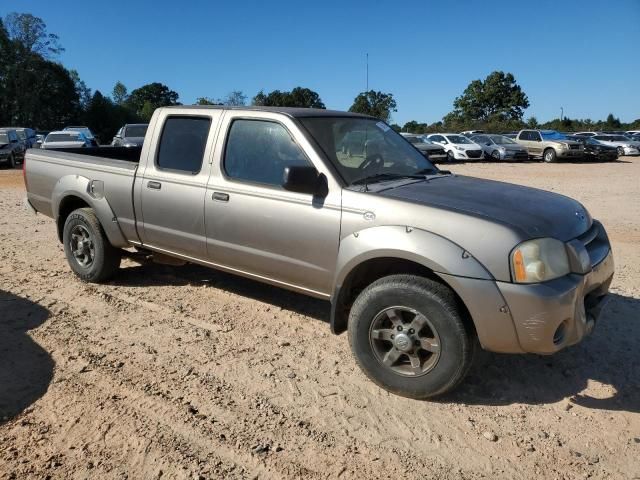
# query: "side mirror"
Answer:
x=305 y=180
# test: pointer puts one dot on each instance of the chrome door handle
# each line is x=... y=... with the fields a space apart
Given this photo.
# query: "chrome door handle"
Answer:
x=221 y=197
x=154 y=185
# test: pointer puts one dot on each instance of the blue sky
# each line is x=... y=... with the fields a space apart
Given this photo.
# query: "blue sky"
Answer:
x=580 y=55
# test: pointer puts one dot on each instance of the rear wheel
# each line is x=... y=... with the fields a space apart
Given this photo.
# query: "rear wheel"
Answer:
x=408 y=336
x=549 y=155
x=87 y=248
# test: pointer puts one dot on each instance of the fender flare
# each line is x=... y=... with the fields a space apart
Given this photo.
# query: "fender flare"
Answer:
x=428 y=249
x=92 y=192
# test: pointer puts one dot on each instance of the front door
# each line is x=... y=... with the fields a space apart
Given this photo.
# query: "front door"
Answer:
x=255 y=226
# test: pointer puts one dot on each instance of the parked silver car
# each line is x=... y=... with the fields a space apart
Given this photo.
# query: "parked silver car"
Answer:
x=66 y=139
x=130 y=135
x=625 y=145
x=499 y=147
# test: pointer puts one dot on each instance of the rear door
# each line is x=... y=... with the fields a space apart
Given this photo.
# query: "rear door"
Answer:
x=172 y=186
x=255 y=226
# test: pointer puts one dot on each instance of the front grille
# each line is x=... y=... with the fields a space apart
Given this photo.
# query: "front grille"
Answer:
x=474 y=153
x=574 y=147
x=596 y=243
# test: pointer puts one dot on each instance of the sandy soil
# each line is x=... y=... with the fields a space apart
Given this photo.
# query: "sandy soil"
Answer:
x=189 y=373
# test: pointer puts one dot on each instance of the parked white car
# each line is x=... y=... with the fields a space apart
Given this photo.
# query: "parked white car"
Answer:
x=66 y=139
x=586 y=134
x=625 y=145
x=458 y=147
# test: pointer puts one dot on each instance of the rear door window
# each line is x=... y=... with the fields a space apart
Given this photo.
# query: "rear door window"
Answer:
x=182 y=144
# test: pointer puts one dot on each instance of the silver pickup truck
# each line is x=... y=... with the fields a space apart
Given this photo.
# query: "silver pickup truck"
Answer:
x=420 y=266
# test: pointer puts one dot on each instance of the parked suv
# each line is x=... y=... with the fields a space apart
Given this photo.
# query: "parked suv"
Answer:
x=11 y=149
x=549 y=145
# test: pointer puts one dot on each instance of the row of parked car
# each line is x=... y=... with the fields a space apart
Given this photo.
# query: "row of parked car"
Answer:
x=548 y=145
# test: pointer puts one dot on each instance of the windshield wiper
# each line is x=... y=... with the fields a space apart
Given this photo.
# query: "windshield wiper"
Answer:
x=379 y=177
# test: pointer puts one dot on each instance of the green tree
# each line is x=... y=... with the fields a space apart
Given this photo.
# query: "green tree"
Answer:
x=147 y=110
x=119 y=94
x=374 y=103
x=612 y=123
x=234 y=99
x=532 y=122
x=84 y=92
x=31 y=33
x=205 y=101
x=498 y=97
x=298 y=97
x=149 y=97
x=415 y=127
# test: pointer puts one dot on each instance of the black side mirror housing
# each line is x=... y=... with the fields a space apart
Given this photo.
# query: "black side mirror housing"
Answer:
x=305 y=180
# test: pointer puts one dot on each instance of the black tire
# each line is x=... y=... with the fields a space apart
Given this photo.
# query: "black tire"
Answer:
x=105 y=258
x=620 y=151
x=427 y=298
x=12 y=161
x=495 y=155
x=549 y=155
x=450 y=157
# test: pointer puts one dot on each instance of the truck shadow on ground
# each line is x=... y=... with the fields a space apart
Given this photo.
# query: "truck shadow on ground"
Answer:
x=26 y=369
x=152 y=274
x=610 y=356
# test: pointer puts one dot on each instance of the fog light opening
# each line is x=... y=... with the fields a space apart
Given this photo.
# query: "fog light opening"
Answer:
x=558 y=337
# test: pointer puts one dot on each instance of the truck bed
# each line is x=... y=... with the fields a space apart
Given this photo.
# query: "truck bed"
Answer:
x=129 y=154
x=49 y=174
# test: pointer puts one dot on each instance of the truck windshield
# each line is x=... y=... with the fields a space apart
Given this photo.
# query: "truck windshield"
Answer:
x=362 y=148
x=136 y=131
x=552 y=135
x=4 y=138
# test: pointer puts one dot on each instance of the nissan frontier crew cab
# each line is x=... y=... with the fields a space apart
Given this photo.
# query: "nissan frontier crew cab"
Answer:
x=419 y=265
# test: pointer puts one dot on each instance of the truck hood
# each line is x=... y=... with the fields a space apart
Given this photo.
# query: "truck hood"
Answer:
x=531 y=212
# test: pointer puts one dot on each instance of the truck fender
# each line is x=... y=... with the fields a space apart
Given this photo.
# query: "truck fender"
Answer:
x=422 y=247
x=92 y=192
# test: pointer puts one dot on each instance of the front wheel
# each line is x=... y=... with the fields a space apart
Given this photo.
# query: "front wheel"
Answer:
x=495 y=155
x=549 y=155
x=12 y=160
x=620 y=151
x=451 y=157
x=87 y=248
x=408 y=335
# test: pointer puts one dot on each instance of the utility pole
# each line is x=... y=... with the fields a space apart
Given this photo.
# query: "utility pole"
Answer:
x=561 y=113
x=367 y=72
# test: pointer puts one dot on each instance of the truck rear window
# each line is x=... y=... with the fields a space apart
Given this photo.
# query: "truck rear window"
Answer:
x=182 y=143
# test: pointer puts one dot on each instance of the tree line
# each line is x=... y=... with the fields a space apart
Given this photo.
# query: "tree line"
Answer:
x=39 y=92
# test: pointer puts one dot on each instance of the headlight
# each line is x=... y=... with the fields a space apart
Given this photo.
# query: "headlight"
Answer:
x=130 y=145
x=539 y=260
x=564 y=146
x=459 y=148
x=502 y=149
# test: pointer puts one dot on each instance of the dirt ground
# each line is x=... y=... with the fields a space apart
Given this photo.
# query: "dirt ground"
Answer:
x=189 y=373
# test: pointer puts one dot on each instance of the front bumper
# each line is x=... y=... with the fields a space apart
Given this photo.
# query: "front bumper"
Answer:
x=570 y=153
x=463 y=155
x=552 y=315
x=631 y=151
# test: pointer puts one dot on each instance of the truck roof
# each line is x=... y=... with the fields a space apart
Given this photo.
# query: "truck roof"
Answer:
x=290 y=111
